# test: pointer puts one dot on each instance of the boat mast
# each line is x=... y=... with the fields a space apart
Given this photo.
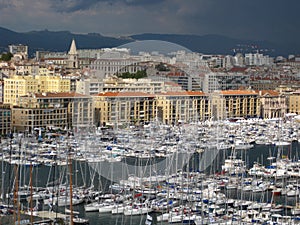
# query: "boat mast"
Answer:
x=16 y=200
x=71 y=189
x=2 y=174
x=31 y=193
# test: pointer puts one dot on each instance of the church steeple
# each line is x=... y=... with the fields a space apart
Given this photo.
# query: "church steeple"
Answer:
x=73 y=56
x=73 y=49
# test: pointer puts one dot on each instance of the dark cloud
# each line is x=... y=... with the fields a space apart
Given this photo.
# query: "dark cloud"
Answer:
x=6 y=4
x=274 y=20
x=76 y=5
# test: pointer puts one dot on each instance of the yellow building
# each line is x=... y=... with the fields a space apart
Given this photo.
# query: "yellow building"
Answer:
x=294 y=102
x=116 y=108
x=53 y=84
x=183 y=106
x=234 y=103
x=17 y=86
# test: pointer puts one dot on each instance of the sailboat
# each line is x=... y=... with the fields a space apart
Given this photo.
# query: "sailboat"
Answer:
x=295 y=210
x=74 y=220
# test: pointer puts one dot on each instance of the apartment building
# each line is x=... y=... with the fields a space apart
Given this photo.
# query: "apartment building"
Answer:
x=294 y=102
x=30 y=119
x=119 y=108
x=17 y=86
x=19 y=50
x=234 y=103
x=64 y=110
x=5 y=120
x=225 y=81
x=183 y=106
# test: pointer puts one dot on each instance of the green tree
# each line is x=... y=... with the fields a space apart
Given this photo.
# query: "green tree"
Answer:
x=162 y=67
x=138 y=75
x=6 y=56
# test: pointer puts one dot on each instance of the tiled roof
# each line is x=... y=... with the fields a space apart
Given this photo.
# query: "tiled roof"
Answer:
x=59 y=95
x=238 y=92
x=238 y=69
x=124 y=94
x=181 y=93
x=267 y=92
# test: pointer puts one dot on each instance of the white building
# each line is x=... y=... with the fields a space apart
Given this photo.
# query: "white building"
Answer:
x=19 y=50
x=225 y=81
x=257 y=59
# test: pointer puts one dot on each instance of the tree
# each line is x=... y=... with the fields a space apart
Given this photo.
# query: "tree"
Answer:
x=138 y=75
x=6 y=56
x=162 y=67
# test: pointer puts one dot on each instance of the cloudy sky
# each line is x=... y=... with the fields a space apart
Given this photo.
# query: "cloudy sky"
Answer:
x=248 y=19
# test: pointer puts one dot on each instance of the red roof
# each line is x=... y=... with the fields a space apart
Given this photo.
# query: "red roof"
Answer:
x=238 y=92
x=238 y=69
x=124 y=94
x=59 y=95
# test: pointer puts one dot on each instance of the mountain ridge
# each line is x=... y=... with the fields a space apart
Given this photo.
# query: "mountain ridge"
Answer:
x=206 y=44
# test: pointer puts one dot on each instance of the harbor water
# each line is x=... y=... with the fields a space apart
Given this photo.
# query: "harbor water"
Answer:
x=83 y=175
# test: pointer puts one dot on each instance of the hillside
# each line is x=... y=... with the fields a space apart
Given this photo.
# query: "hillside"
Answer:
x=207 y=44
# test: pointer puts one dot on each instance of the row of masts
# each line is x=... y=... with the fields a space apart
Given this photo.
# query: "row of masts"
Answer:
x=16 y=198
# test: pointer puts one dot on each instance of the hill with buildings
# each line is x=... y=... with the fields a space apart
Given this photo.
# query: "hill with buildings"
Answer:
x=207 y=44
x=216 y=44
x=56 y=40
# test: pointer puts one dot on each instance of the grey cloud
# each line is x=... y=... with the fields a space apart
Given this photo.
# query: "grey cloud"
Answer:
x=255 y=19
x=6 y=4
x=76 y=5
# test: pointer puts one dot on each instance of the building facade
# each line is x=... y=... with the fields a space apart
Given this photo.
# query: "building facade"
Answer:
x=184 y=106
x=273 y=104
x=20 y=50
x=294 y=102
x=5 y=120
x=119 y=108
x=225 y=81
x=66 y=110
x=234 y=103
x=30 y=119
x=18 y=86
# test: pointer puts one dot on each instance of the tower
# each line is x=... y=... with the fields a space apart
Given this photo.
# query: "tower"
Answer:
x=72 y=61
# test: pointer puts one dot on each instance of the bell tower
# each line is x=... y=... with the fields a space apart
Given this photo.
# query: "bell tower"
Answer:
x=72 y=62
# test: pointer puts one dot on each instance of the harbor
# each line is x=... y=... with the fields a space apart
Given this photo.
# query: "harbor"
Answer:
x=215 y=172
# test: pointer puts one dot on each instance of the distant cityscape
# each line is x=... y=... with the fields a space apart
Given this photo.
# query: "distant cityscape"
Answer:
x=88 y=88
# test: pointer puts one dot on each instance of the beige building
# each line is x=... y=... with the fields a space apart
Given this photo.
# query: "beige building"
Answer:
x=138 y=107
x=294 y=102
x=234 y=103
x=183 y=106
x=29 y=119
x=64 y=110
x=119 y=108
x=273 y=104
x=94 y=86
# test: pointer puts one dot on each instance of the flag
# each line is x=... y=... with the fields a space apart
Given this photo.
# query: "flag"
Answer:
x=137 y=195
